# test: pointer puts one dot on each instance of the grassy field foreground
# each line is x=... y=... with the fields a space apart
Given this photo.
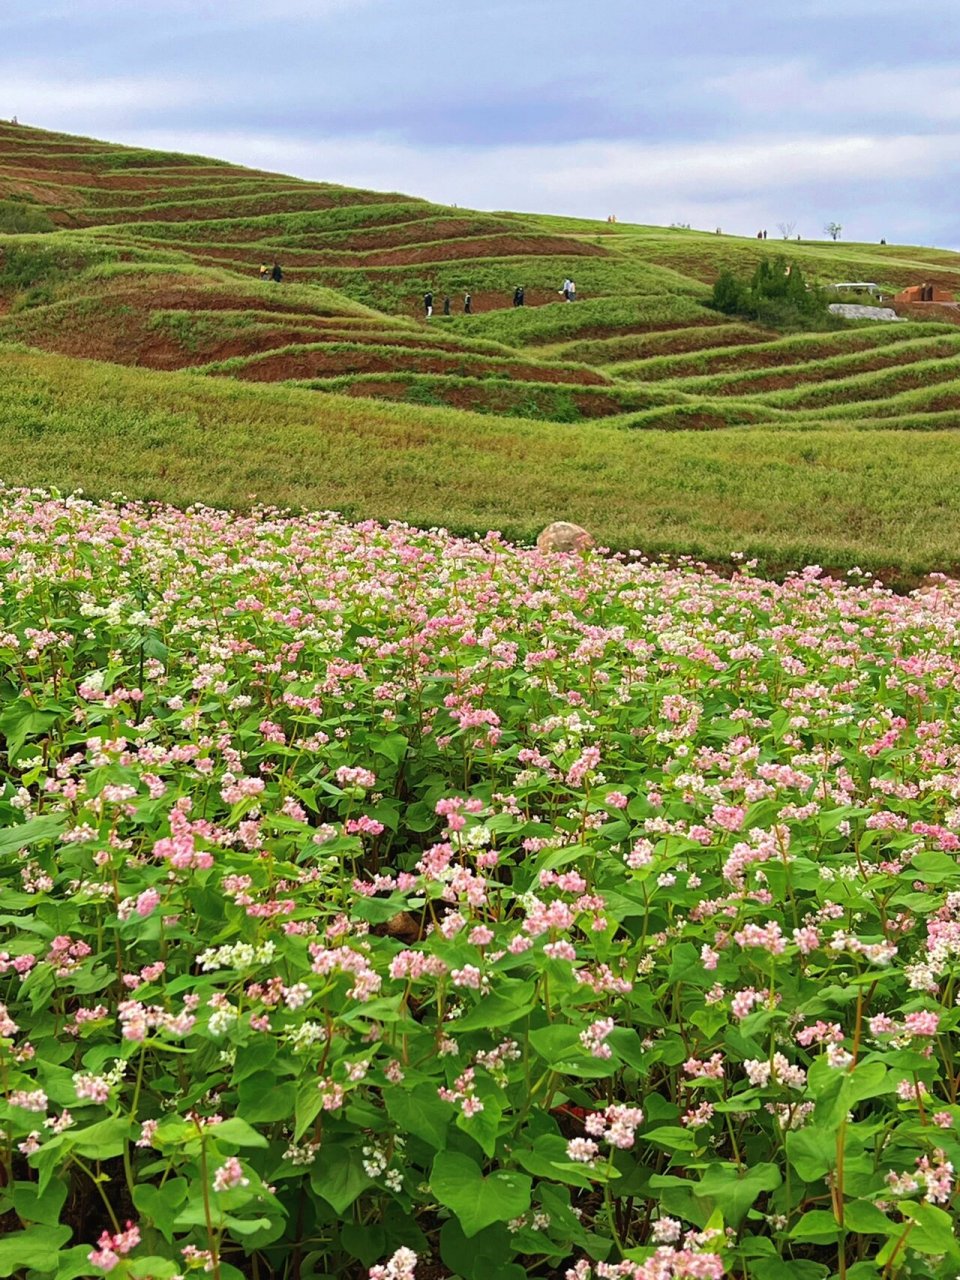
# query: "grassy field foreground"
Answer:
x=786 y=496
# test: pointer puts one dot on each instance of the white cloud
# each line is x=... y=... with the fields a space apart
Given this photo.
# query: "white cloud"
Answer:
x=76 y=103
x=793 y=90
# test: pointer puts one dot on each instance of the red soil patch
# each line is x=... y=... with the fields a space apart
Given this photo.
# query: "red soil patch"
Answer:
x=319 y=363
x=480 y=247
x=306 y=202
x=681 y=343
x=413 y=233
x=845 y=395
x=941 y=312
x=475 y=398
x=941 y=403
x=811 y=373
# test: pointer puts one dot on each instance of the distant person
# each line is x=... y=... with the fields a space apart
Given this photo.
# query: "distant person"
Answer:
x=883 y=242
x=276 y=274
x=264 y=271
x=518 y=296
x=467 y=305
x=759 y=235
x=565 y=290
x=764 y=235
x=572 y=295
x=446 y=305
x=428 y=304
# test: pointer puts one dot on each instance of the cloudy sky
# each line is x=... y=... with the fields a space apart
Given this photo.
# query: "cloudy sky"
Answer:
x=733 y=113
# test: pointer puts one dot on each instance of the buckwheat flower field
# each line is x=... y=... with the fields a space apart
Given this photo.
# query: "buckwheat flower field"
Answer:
x=379 y=902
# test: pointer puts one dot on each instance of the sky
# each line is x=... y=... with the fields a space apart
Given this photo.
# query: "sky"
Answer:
x=739 y=114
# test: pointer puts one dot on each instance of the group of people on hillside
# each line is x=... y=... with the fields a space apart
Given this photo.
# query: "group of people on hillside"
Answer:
x=274 y=273
x=568 y=291
x=428 y=304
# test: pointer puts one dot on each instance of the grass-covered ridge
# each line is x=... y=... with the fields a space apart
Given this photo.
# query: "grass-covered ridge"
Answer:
x=653 y=479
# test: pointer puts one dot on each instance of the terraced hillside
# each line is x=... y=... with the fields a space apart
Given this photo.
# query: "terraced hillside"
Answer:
x=149 y=259
x=154 y=261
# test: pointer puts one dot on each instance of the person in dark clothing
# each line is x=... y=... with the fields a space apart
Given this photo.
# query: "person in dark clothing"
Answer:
x=428 y=304
x=275 y=273
x=446 y=306
x=467 y=304
x=518 y=296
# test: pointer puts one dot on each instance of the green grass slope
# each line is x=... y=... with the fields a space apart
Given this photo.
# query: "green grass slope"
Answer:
x=783 y=495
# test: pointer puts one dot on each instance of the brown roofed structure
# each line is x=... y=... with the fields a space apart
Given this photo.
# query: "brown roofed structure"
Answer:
x=923 y=293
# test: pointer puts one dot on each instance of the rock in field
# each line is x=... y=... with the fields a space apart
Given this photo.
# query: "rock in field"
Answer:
x=563 y=536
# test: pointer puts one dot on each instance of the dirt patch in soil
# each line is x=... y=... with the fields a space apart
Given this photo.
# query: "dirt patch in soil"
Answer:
x=478 y=399
x=813 y=374
x=414 y=233
x=307 y=202
x=941 y=312
x=320 y=363
x=669 y=345
x=481 y=247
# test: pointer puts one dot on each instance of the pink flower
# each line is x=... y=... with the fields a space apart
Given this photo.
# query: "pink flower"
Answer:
x=110 y=1248
x=230 y=1175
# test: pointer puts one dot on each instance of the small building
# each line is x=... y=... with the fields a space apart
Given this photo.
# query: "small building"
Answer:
x=923 y=293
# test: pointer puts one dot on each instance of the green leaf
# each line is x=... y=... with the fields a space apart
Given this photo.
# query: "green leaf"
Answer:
x=368 y=1243
x=393 y=746
x=781 y=1270
x=818 y=1226
x=477 y=1257
x=338 y=1176
x=498 y=1009
x=74 y=1262
x=673 y=1138
x=478 y=1201
x=36 y=1249
x=32 y=1205
x=933 y=1232
x=811 y=1151
x=263 y=1098
x=309 y=1105
x=484 y=1126
x=22 y=720
x=235 y=1132
x=866 y=1219
x=101 y=1141
x=936 y=867
x=254 y=1057
x=160 y=1205
x=733 y=1191
x=46 y=827
x=420 y=1112
x=152 y=1268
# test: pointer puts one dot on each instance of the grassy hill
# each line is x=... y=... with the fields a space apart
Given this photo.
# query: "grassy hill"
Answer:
x=649 y=415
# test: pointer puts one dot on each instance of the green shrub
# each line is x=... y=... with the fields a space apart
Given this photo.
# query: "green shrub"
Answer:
x=17 y=217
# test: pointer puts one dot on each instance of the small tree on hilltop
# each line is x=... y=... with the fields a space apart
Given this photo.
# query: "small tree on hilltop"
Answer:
x=786 y=229
x=833 y=230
